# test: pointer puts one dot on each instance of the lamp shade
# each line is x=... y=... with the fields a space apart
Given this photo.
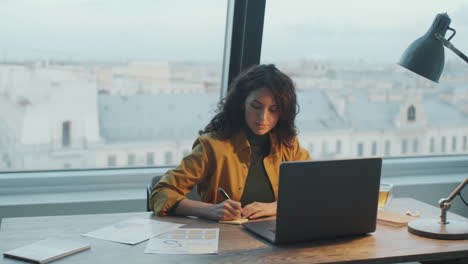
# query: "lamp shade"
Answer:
x=425 y=56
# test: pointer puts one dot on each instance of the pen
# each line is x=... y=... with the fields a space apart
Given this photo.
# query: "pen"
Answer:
x=223 y=192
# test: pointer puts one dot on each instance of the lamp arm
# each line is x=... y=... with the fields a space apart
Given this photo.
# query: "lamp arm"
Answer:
x=445 y=204
x=457 y=190
x=451 y=47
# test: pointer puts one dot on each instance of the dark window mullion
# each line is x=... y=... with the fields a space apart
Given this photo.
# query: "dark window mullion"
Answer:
x=247 y=32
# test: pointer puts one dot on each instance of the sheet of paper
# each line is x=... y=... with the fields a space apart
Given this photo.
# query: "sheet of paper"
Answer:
x=133 y=231
x=185 y=241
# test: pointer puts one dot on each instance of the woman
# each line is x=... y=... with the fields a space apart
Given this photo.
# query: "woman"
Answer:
x=240 y=150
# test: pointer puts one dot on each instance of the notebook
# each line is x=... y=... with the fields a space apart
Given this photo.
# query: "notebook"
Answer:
x=47 y=250
x=322 y=200
x=239 y=221
x=393 y=219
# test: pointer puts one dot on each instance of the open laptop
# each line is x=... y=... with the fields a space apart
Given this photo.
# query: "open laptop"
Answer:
x=323 y=199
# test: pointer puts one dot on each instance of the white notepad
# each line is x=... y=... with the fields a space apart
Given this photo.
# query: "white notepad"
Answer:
x=47 y=250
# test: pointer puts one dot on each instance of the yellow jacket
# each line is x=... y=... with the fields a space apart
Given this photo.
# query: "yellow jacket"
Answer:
x=217 y=163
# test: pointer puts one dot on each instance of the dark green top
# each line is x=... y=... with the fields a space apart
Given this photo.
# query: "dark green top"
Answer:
x=257 y=186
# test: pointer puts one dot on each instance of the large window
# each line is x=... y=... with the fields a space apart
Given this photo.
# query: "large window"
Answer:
x=96 y=84
x=343 y=57
x=112 y=84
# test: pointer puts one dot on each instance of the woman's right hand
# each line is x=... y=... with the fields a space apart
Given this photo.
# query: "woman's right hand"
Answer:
x=227 y=210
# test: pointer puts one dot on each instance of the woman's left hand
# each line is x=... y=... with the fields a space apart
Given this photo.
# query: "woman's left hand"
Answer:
x=256 y=210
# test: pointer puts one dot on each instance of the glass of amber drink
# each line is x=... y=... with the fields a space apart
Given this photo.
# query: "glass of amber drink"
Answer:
x=385 y=195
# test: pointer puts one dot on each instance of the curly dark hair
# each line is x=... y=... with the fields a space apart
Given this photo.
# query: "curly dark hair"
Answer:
x=230 y=118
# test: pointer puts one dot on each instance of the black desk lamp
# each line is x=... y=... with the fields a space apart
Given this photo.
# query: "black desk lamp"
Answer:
x=443 y=229
x=425 y=56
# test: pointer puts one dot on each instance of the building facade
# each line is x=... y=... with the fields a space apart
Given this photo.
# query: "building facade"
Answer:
x=76 y=116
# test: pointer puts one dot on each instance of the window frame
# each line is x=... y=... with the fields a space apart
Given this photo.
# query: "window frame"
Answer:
x=21 y=188
x=247 y=34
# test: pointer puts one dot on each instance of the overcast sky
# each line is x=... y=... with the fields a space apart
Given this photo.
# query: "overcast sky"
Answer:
x=357 y=29
x=194 y=30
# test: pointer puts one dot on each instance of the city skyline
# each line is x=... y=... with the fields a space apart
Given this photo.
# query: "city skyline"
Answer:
x=76 y=116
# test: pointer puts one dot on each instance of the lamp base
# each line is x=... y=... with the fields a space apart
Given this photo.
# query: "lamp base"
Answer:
x=432 y=228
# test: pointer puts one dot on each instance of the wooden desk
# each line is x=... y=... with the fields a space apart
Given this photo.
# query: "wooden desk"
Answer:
x=386 y=245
